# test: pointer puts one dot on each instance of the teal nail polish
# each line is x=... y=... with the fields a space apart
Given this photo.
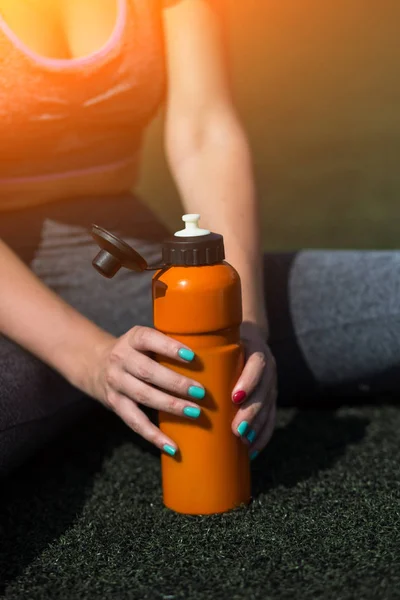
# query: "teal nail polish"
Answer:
x=186 y=354
x=196 y=392
x=251 y=436
x=253 y=455
x=169 y=449
x=243 y=427
x=190 y=411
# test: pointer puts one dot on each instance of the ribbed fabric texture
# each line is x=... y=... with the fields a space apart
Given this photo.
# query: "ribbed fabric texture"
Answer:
x=74 y=127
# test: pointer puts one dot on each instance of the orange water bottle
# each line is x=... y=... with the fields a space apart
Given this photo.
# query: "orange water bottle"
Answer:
x=197 y=301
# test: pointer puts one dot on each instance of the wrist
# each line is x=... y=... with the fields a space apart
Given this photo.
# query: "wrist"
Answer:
x=88 y=375
x=254 y=312
x=253 y=298
x=255 y=324
x=79 y=358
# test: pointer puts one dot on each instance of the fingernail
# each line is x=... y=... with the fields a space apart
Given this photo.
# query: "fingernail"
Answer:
x=190 y=411
x=169 y=449
x=243 y=427
x=251 y=436
x=186 y=354
x=253 y=455
x=239 y=396
x=196 y=392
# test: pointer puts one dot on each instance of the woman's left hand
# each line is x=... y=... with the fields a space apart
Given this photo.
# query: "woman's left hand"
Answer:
x=256 y=392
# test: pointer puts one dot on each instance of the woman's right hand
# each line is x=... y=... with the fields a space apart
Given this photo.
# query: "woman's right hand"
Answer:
x=126 y=377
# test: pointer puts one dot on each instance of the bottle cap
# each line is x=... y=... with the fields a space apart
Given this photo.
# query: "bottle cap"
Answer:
x=193 y=246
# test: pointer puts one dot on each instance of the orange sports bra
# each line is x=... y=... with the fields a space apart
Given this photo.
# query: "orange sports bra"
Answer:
x=73 y=127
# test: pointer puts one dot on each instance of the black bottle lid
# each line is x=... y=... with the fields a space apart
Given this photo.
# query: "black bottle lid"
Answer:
x=190 y=247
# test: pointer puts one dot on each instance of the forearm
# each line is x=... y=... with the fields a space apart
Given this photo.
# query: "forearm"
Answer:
x=40 y=321
x=215 y=179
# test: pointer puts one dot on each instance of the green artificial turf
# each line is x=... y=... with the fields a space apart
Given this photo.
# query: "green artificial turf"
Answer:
x=84 y=519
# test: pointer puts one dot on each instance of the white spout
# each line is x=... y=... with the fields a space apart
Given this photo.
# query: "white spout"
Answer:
x=192 y=227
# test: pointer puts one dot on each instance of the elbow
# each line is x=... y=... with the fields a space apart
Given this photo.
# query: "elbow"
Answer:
x=188 y=137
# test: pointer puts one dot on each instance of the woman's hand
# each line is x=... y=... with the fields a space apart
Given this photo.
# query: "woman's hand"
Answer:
x=126 y=377
x=256 y=392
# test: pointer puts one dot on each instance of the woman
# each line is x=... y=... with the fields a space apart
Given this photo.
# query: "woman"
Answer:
x=80 y=80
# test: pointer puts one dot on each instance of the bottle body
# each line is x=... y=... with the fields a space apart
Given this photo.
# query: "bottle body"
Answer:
x=201 y=307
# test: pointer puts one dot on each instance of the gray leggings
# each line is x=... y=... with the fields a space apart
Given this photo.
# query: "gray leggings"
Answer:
x=335 y=327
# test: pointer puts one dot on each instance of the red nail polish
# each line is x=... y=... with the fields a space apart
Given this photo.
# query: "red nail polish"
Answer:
x=239 y=396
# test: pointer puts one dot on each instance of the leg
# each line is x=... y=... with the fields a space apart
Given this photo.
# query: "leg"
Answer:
x=335 y=322
x=35 y=401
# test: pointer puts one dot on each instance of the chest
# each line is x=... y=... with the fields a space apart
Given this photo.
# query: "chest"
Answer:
x=61 y=28
x=109 y=91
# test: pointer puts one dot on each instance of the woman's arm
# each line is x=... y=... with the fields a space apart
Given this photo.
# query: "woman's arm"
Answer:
x=40 y=321
x=116 y=371
x=206 y=146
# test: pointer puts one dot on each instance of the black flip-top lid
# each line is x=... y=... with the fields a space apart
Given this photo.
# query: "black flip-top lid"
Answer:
x=191 y=246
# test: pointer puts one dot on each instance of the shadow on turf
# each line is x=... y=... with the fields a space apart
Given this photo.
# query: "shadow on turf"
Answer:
x=41 y=500
x=312 y=441
x=317 y=436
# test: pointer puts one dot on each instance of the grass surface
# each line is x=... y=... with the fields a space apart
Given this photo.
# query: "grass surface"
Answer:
x=84 y=520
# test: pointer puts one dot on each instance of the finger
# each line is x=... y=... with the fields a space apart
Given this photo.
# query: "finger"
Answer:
x=257 y=424
x=260 y=420
x=249 y=410
x=146 y=339
x=149 y=371
x=246 y=414
x=145 y=394
x=131 y=414
x=265 y=434
x=250 y=377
